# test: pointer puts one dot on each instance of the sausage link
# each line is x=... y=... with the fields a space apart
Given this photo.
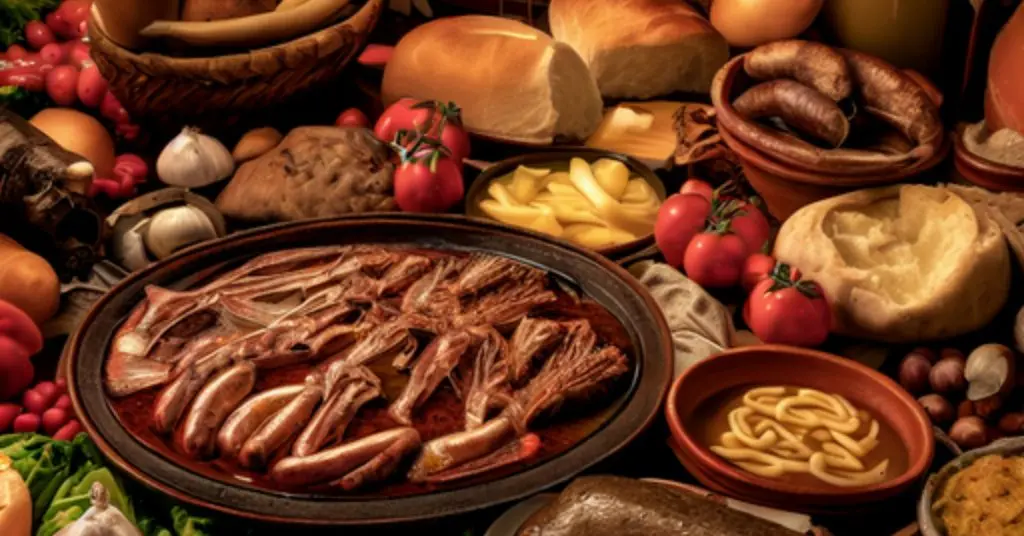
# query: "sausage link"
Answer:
x=255 y=411
x=382 y=465
x=212 y=405
x=283 y=425
x=331 y=464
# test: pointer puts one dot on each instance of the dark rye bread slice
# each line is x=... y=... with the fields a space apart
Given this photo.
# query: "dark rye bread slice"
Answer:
x=616 y=506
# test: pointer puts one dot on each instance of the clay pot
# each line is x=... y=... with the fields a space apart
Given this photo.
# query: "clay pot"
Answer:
x=984 y=172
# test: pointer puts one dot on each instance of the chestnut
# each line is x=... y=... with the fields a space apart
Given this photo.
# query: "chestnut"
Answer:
x=965 y=409
x=1012 y=423
x=947 y=376
x=938 y=408
x=987 y=407
x=926 y=353
x=914 y=372
x=969 y=432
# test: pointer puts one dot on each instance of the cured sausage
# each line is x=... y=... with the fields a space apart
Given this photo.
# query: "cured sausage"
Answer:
x=334 y=463
x=283 y=425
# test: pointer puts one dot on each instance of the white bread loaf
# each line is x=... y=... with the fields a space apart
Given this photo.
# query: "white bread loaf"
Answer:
x=641 y=48
x=900 y=264
x=512 y=81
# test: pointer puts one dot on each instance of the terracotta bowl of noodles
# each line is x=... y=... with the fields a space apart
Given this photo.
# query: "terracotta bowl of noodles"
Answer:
x=714 y=398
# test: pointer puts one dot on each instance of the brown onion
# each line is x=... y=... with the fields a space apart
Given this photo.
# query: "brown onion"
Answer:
x=969 y=432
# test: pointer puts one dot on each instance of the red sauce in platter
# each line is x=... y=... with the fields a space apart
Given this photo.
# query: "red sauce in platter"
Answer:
x=442 y=414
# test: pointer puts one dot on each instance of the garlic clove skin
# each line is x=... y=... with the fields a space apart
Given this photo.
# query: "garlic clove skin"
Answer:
x=129 y=246
x=193 y=160
x=101 y=518
x=175 y=228
x=988 y=371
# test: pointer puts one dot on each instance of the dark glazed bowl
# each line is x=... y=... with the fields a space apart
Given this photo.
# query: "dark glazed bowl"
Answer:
x=784 y=187
x=786 y=365
x=558 y=159
x=596 y=276
x=984 y=172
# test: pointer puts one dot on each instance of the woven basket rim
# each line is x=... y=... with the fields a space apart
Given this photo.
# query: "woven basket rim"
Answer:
x=361 y=22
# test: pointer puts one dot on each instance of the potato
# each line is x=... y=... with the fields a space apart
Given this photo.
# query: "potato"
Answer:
x=547 y=224
x=558 y=177
x=638 y=191
x=593 y=236
x=612 y=175
x=501 y=194
x=526 y=182
x=568 y=214
x=520 y=215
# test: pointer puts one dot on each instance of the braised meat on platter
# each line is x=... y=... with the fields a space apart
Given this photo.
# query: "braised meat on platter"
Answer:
x=382 y=330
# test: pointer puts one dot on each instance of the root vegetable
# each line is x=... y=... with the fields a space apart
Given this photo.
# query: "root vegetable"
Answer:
x=48 y=390
x=938 y=408
x=61 y=83
x=8 y=412
x=801 y=107
x=26 y=423
x=947 y=375
x=68 y=431
x=969 y=433
x=34 y=402
x=63 y=402
x=38 y=34
x=897 y=99
x=92 y=87
x=914 y=371
x=812 y=64
x=53 y=420
x=52 y=54
x=251 y=31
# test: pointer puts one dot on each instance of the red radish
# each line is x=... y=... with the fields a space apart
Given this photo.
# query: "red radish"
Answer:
x=128 y=131
x=56 y=22
x=62 y=385
x=16 y=52
x=53 y=54
x=78 y=54
x=34 y=402
x=16 y=370
x=38 y=34
x=26 y=422
x=49 y=392
x=53 y=420
x=61 y=83
x=376 y=55
x=64 y=402
x=112 y=109
x=353 y=117
x=72 y=13
x=8 y=412
x=91 y=86
x=68 y=431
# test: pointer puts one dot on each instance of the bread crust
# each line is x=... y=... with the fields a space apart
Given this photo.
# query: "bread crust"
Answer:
x=641 y=48
x=512 y=81
x=900 y=264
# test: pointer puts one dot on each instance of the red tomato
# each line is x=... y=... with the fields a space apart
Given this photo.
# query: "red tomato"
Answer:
x=19 y=340
x=680 y=217
x=38 y=34
x=409 y=114
x=699 y=187
x=787 y=310
x=423 y=185
x=715 y=260
x=756 y=268
x=751 y=225
x=353 y=117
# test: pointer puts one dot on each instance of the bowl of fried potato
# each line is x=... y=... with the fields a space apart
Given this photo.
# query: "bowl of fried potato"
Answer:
x=596 y=199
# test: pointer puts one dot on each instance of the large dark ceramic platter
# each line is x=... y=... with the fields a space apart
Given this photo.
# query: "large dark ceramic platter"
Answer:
x=593 y=275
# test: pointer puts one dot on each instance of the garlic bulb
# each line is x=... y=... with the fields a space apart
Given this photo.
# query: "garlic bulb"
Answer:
x=174 y=228
x=101 y=519
x=193 y=160
x=129 y=246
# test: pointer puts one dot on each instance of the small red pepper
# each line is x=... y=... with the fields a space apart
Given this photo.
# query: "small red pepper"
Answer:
x=20 y=339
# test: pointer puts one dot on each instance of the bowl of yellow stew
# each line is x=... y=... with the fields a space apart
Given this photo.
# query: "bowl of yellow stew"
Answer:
x=596 y=199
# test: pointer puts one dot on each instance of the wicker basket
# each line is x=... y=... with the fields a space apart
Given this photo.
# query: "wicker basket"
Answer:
x=153 y=85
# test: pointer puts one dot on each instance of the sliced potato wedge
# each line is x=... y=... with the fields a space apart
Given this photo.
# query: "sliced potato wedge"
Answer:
x=569 y=214
x=547 y=224
x=612 y=175
x=501 y=194
x=558 y=177
x=526 y=182
x=638 y=191
x=595 y=236
x=513 y=215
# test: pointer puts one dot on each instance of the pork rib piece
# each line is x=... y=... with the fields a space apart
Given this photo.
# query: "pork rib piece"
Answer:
x=349 y=387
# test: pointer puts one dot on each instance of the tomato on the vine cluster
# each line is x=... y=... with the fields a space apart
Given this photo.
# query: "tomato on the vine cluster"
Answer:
x=409 y=115
x=785 y=309
x=710 y=233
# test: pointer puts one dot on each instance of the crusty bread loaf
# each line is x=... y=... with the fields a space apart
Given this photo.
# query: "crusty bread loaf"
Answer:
x=641 y=48
x=512 y=81
x=900 y=264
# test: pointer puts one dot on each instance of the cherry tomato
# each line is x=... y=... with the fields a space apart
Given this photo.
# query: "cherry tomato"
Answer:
x=38 y=34
x=756 y=268
x=787 y=310
x=680 y=217
x=409 y=114
x=699 y=187
x=19 y=340
x=715 y=260
x=428 y=184
x=353 y=117
x=750 y=224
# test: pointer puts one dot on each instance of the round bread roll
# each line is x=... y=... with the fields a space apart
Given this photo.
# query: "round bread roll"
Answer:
x=900 y=264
